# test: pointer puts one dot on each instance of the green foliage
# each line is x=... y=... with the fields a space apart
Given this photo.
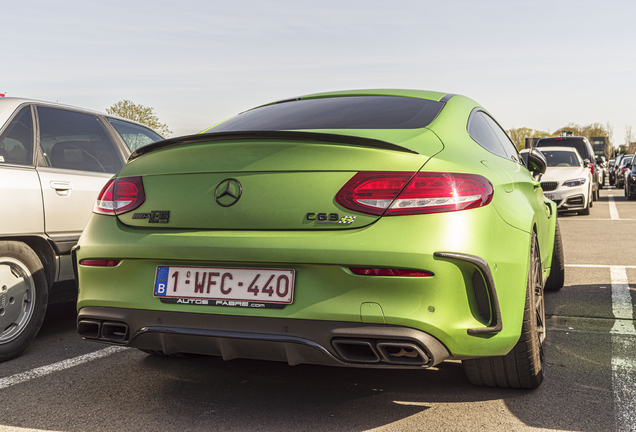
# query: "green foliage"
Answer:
x=519 y=135
x=140 y=114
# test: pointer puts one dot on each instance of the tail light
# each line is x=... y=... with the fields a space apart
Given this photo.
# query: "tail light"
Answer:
x=390 y=272
x=99 y=263
x=408 y=193
x=119 y=196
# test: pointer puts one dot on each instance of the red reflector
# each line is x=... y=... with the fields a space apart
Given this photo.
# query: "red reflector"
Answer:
x=390 y=272
x=406 y=193
x=119 y=196
x=99 y=263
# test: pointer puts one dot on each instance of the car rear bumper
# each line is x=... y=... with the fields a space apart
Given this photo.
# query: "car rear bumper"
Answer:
x=293 y=341
x=454 y=306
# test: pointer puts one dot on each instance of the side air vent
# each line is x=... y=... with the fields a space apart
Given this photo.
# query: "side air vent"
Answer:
x=481 y=295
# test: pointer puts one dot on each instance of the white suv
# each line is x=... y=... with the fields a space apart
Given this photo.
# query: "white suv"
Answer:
x=54 y=160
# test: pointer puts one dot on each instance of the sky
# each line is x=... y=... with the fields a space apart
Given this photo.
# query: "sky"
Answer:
x=537 y=64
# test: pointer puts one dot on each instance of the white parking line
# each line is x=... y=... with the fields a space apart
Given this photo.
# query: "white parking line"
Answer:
x=612 y=208
x=623 y=335
x=623 y=348
x=56 y=367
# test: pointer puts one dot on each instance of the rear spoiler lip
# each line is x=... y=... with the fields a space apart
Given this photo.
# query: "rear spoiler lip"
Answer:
x=271 y=135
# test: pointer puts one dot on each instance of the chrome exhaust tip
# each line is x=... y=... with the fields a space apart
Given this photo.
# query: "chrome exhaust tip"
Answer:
x=405 y=353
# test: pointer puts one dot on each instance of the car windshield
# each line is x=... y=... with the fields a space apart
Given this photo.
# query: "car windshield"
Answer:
x=556 y=158
x=350 y=112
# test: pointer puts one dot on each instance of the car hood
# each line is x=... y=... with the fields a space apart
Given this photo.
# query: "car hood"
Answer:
x=560 y=174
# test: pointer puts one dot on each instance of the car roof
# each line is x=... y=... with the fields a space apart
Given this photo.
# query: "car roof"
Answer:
x=422 y=94
x=559 y=148
x=559 y=138
x=8 y=105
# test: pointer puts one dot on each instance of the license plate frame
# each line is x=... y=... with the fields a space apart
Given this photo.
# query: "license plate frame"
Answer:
x=224 y=285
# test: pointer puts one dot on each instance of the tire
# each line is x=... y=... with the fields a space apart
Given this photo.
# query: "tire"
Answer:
x=23 y=297
x=556 y=280
x=594 y=194
x=524 y=366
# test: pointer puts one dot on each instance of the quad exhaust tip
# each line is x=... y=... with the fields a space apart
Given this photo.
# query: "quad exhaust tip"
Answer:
x=392 y=352
x=103 y=330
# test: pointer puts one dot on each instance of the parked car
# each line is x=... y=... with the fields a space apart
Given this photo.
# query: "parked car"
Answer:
x=601 y=165
x=567 y=180
x=621 y=170
x=54 y=160
x=630 y=180
x=583 y=146
x=356 y=228
x=611 y=171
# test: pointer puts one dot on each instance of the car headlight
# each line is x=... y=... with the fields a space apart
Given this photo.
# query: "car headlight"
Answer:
x=574 y=182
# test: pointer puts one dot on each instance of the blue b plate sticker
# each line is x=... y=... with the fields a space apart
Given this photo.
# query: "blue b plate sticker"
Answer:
x=161 y=281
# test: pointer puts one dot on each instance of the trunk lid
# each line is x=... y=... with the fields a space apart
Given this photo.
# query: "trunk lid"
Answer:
x=263 y=184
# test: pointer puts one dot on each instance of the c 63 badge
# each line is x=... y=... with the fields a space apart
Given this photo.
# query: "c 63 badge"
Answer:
x=330 y=218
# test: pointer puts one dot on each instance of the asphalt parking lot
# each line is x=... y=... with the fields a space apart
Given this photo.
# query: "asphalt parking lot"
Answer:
x=62 y=383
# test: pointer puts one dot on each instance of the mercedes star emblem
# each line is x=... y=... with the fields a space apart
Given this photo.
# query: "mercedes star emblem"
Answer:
x=228 y=192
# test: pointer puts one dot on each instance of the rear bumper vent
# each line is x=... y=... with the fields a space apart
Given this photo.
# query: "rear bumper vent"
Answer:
x=481 y=295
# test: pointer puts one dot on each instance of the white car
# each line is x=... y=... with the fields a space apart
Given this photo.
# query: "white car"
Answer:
x=567 y=181
x=54 y=160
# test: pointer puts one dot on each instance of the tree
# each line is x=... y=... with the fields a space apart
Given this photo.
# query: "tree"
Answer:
x=140 y=114
x=630 y=145
x=519 y=135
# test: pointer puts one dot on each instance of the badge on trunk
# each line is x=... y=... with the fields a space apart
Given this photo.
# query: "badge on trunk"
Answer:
x=228 y=192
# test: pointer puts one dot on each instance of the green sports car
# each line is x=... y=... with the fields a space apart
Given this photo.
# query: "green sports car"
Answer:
x=367 y=228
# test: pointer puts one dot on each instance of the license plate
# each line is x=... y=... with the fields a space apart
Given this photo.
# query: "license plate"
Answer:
x=225 y=284
x=549 y=196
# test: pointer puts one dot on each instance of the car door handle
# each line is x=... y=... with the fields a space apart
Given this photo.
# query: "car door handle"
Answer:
x=61 y=188
x=58 y=185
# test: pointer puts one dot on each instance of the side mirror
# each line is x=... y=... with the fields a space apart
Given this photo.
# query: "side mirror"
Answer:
x=536 y=163
x=586 y=163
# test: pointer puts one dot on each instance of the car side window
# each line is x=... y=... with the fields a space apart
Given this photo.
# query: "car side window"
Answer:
x=505 y=141
x=16 y=141
x=76 y=140
x=480 y=131
x=134 y=136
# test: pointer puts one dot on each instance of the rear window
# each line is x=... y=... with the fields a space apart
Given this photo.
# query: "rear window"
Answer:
x=350 y=112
